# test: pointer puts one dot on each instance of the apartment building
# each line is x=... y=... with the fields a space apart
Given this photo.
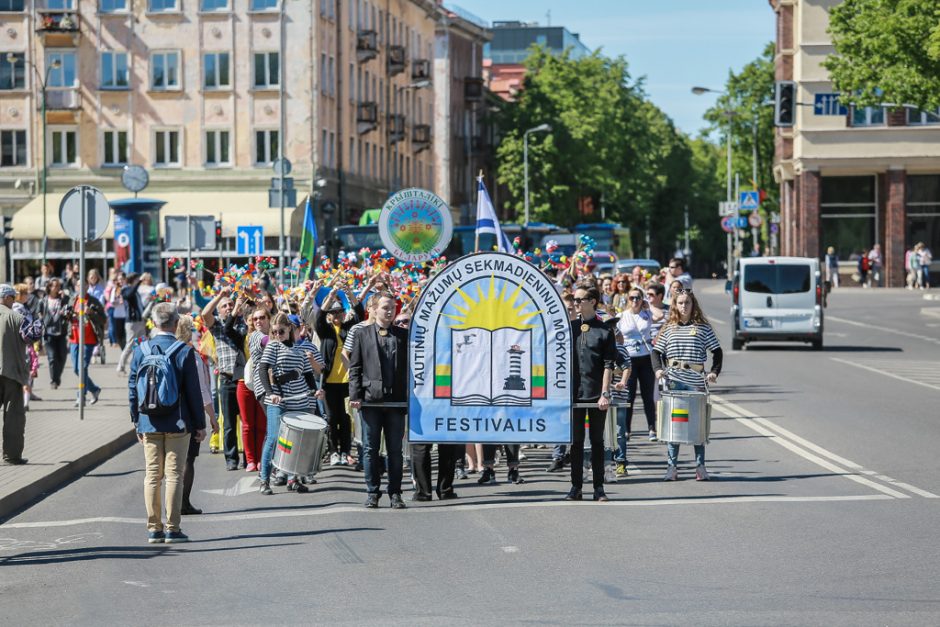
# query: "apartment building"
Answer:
x=205 y=94
x=849 y=177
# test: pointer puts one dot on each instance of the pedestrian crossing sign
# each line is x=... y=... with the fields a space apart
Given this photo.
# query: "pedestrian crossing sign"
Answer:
x=748 y=201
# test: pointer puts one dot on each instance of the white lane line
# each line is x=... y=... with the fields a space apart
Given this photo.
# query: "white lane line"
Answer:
x=885 y=373
x=864 y=325
x=747 y=419
x=717 y=321
x=439 y=509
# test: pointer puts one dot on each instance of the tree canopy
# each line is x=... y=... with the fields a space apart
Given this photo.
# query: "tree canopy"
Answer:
x=887 y=51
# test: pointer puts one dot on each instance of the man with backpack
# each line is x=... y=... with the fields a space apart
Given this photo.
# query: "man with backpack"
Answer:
x=166 y=406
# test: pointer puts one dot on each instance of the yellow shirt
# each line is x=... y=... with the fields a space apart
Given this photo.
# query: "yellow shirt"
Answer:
x=338 y=372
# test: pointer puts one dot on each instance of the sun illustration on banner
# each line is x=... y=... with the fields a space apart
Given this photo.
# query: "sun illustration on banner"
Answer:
x=492 y=311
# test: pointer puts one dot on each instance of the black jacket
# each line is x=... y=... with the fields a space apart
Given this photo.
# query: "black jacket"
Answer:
x=329 y=342
x=365 y=367
x=595 y=350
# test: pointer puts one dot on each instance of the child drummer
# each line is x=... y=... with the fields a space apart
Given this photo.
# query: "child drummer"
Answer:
x=679 y=355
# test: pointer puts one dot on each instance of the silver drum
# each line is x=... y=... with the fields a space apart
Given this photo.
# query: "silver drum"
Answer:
x=683 y=417
x=301 y=443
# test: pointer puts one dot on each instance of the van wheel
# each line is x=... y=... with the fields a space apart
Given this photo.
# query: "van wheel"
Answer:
x=737 y=344
x=817 y=344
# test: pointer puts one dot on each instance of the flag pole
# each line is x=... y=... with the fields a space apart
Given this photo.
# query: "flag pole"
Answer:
x=476 y=231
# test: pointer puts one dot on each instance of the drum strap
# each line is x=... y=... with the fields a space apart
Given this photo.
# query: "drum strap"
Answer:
x=685 y=365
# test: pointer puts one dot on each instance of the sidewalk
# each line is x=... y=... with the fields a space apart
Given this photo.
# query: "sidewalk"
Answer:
x=59 y=446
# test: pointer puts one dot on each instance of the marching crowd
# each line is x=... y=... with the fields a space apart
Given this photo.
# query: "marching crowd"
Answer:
x=234 y=357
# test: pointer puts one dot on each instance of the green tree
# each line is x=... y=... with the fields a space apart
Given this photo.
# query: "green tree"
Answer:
x=886 y=51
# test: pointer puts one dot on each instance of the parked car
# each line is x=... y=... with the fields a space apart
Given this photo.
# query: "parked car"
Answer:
x=602 y=262
x=626 y=266
x=777 y=299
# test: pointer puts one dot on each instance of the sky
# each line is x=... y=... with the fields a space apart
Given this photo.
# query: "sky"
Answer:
x=675 y=44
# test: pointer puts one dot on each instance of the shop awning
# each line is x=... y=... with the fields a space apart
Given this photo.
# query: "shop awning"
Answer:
x=235 y=209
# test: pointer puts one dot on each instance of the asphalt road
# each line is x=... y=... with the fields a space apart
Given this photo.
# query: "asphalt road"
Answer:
x=823 y=511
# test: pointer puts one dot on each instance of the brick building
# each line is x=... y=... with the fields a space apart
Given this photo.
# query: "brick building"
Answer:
x=849 y=177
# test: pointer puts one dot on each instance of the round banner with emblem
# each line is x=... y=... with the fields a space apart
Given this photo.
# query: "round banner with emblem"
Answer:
x=415 y=225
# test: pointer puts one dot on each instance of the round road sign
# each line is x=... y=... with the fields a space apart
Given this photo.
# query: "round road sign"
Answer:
x=727 y=224
x=97 y=213
x=755 y=220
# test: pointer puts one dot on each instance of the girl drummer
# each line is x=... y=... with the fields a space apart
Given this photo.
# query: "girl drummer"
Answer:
x=287 y=378
x=679 y=355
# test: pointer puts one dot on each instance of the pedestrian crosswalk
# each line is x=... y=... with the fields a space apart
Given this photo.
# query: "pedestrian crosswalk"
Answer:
x=923 y=373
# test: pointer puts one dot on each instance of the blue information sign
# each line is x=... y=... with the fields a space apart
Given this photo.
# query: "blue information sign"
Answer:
x=828 y=104
x=249 y=240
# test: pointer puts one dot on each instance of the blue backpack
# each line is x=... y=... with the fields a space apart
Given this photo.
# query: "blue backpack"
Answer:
x=158 y=390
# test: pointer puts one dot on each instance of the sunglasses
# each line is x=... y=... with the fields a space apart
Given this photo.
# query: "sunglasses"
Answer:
x=280 y=332
x=635 y=298
x=683 y=290
x=259 y=318
x=578 y=301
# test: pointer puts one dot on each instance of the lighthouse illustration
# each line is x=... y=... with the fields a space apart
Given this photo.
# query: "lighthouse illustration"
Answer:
x=515 y=381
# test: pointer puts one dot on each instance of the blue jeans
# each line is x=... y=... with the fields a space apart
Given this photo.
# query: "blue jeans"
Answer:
x=274 y=413
x=672 y=449
x=559 y=451
x=374 y=422
x=89 y=349
x=620 y=455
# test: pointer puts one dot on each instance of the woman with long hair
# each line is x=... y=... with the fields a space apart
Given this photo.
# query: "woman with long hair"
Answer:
x=621 y=286
x=636 y=323
x=679 y=357
x=54 y=312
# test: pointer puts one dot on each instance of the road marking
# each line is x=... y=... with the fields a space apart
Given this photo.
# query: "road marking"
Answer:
x=864 y=325
x=717 y=321
x=881 y=371
x=930 y=311
x=243 y=486
x=510 y=549
x=444 y=509
x=799 y=445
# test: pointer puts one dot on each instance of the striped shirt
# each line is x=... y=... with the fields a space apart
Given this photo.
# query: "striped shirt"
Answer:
x=688 y=343
x=256 y=344
x=619 y=397
x=310 y=348
x=283 y=359
x=658 y=324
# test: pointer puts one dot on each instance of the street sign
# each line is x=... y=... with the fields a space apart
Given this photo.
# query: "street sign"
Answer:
x=775 y=217
x=748 y=201
x=727 y=208
x=742 y=223
x=176 y=234
x=727 y=224
x=828 y=104
x=282 y=167
x=97 y=213
x=755 y=220
x=274 y=198
x=249 y=240
x=774 y=228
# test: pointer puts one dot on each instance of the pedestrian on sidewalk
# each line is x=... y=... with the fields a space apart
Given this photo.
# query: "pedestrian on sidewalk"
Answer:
x=95 y=320
x=54 y=312
x=15 y=332
x=166 y=408
x=33 y=329
x=135 y=327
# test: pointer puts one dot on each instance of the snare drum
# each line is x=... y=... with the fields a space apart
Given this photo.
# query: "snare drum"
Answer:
x=683 y=417
x=301 y=443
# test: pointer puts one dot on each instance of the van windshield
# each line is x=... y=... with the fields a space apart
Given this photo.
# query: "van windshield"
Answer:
x=777 y=279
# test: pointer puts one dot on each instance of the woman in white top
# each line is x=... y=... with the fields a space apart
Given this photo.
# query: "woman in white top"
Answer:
x=636 y=324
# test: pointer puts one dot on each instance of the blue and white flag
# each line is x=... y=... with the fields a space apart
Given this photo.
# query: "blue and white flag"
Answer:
x=486 y=218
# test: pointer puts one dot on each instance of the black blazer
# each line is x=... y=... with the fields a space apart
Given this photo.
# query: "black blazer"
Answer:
x=365 y=369
x=329 y=342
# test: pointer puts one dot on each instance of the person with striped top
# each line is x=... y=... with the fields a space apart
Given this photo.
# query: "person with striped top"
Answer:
x=679 y=357
x=285 y=373
x=655 y=293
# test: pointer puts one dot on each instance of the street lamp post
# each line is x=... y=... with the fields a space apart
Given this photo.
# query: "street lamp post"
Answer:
x=541 y=128
x=43 y=82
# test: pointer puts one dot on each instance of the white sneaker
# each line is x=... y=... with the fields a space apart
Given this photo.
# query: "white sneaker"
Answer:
x=672 y=473
x=700 y=473
x=653 y=437
x=334 y=459
x=610 y=473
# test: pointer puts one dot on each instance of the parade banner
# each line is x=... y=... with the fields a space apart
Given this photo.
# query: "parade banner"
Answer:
x=415 y=225
x=490 y=355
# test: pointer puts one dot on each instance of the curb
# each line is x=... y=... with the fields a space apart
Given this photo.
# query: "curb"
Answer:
x=12 y=503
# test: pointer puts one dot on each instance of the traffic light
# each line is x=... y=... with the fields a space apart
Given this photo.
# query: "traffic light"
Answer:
x=7 y=229
x=784 y=103
x=218 y=234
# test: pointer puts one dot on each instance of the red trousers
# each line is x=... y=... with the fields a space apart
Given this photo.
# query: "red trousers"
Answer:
x=254 y=423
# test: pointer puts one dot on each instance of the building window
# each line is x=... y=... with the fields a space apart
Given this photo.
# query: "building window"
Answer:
x=216 y=70
x=923 y=210
x=114 y=70
x=868 y=116
x=331 y=74
x=847 y=212
x=162 y=6
x=263 y=5
x=217 y=148
x=12 y=75
x=166 y=148
x=916 y=117
x=267 y=70
x=112 y=6
x=60 y=5
x=333 y=150
x=213 y=5
x=64 y=75
x=64 y=148
x=12 y=6
x=266 y=147
x=164 y=70
x=12 y=148
x=115 y=148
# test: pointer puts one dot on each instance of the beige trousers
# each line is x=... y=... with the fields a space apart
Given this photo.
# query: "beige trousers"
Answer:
x=164 y=456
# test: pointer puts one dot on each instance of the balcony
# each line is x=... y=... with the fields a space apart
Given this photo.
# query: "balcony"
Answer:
x=420 y=70
x=367 y=117
x=58 y=28
x=367 y=45
x=63 y=99
x=396 y=60
x=473 y=89
x=396 y=128
x=421 y=136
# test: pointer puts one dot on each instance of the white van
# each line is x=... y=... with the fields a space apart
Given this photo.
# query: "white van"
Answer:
x=777 y=299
